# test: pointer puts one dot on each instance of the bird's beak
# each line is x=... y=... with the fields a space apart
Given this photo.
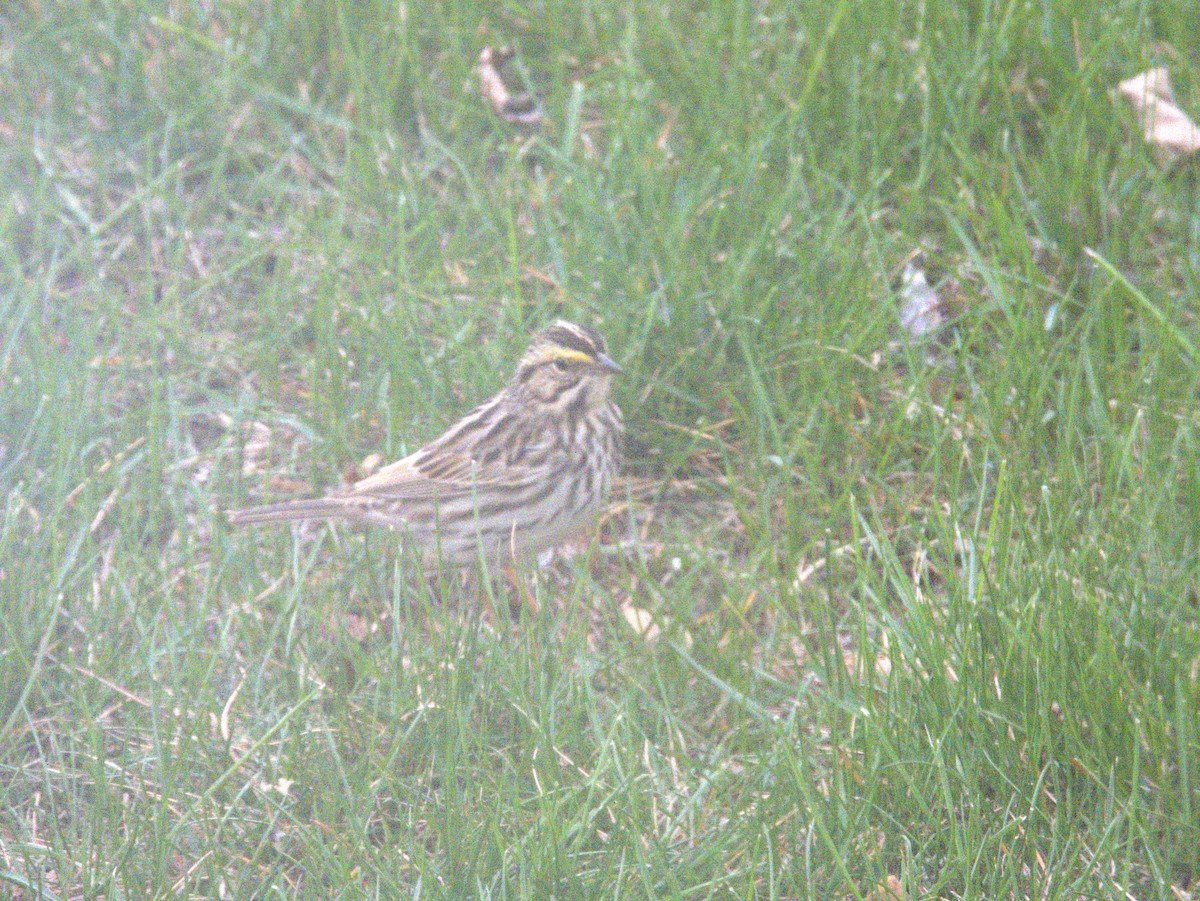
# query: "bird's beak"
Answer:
x=608 y=363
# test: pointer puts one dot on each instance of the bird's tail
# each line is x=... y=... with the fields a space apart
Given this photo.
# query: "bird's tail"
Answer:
x=288 y=511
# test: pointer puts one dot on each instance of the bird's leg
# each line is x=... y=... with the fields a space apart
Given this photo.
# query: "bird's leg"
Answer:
x=513 y=575
x=524 y=596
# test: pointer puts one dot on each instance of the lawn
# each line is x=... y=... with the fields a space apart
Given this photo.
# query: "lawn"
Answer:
x=871 y=614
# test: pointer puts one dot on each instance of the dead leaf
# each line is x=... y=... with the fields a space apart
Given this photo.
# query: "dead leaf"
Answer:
x=642 y=621
x=256 y=448
x=921 y=312
x=891 y=889
x=1167 y=128
x=515 y=107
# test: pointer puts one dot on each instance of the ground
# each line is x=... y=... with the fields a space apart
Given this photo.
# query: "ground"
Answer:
x=897 y=595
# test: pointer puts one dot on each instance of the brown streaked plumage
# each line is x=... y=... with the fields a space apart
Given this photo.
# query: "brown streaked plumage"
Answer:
x=520 y=473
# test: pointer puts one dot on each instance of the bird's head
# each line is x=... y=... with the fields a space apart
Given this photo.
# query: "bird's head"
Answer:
x=566 y=370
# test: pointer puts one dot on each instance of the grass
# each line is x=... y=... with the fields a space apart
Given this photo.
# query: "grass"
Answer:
x=922 y=617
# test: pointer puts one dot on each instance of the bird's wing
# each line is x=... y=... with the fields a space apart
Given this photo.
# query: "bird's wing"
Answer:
x=437 y=473
x=404 y=480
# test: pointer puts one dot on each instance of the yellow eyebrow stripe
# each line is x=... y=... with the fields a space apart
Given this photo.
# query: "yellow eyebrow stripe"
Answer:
x=565 y=353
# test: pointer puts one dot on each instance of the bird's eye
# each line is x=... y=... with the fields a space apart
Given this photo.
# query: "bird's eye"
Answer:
x=561 y=365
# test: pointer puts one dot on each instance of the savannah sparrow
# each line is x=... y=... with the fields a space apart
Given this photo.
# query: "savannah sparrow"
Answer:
x=520 y=473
